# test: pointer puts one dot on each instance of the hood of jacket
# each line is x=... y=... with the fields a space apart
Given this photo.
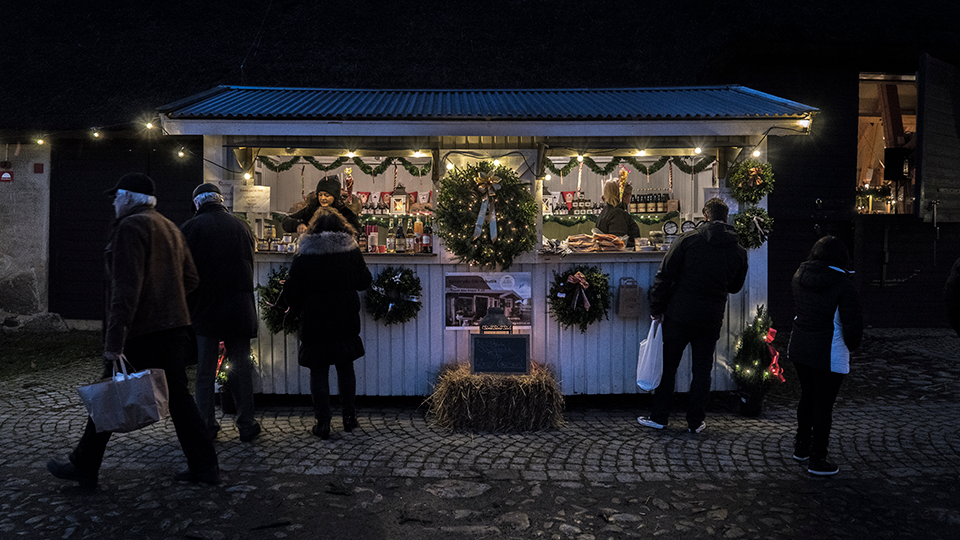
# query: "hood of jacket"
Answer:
x=718 y=233
x=326 y=243
x=818 y=275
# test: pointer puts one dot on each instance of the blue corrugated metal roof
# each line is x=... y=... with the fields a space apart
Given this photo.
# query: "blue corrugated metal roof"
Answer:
x=694 y=102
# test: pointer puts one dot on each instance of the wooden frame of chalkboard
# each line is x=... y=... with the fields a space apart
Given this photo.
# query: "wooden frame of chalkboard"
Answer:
x=500 y=354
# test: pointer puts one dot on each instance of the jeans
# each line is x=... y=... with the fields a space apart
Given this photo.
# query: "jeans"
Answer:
x=703 y=343
x=818 y=392
x=165 y=350
x=241 y=379
x=320 y=391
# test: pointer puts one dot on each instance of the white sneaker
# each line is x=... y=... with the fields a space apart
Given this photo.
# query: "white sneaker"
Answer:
x=701 y=427
x=646 y=421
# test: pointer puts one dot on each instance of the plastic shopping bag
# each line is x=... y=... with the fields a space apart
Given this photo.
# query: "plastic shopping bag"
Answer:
x=650 y=361
x=127 y=401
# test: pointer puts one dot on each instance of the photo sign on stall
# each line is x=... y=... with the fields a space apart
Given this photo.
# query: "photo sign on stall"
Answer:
x=251 y=199
x=501 y=354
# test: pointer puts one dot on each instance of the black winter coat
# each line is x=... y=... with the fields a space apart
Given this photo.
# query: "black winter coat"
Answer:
x=819 y=292
x=322 y=290
x=697 y=273
x=617 y=221
x=222 y=246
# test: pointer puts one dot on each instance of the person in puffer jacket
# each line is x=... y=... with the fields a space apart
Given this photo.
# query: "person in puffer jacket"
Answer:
x=828 y=325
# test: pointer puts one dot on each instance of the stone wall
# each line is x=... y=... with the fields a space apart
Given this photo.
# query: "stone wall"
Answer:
x=24 y=229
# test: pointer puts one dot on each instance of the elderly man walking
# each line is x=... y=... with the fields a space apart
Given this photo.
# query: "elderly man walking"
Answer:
x=689 y=294
x=149 y=273
x=223 y=306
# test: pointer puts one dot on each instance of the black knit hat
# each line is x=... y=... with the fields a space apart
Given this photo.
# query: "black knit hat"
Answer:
x=331 y=185
x=135 y=182
x=206 y=188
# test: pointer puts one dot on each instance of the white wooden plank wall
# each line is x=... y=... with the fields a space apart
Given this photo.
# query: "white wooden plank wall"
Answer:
x=403 y=360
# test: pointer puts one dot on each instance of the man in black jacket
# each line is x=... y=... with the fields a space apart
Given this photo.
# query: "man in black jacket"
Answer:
x=223 y=306
x=689 y=296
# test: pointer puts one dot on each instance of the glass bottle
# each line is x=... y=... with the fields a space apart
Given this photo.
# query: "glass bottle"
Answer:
x=427 y=239
x=391 y=238
x=401 y=239
x=411 y=239
x=418 y=234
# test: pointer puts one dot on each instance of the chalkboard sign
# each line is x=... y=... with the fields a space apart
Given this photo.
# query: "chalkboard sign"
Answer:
x=506 y=354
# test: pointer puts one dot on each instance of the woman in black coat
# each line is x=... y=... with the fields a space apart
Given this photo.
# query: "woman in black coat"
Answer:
x=327 y=196
x=827 y=327
x=613 y=218
x=322 y=291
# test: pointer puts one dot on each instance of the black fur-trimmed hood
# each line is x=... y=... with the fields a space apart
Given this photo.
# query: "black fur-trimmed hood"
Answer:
x=326 y=243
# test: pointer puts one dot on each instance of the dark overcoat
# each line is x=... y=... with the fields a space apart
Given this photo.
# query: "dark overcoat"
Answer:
x=222 y=246
x=322 y=290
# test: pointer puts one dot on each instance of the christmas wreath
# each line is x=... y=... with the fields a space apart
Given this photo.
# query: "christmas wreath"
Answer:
x=394 y=295
x=750 y=181
x=580 y=296
x=753 y=226
x=486 y=216
x=272 y=314
x=755 y=363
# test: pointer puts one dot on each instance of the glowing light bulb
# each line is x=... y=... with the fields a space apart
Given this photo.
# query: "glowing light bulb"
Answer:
x=641 y=153
x=449 y=166
x=697 y=150
x=756 y=153
x=149 y=125
x=246 y=176
x=96 y=134
x=547 y=177
x=40 y=141
x=496 y=163
x=351 y=155
x=579 y=158
x=418 y=154
x=804 y=122
x=181 y=153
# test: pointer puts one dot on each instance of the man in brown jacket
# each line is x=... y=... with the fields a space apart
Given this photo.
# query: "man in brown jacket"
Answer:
x=149 y=273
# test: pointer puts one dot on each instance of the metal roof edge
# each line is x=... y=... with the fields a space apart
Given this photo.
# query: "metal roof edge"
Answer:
x=193 y=99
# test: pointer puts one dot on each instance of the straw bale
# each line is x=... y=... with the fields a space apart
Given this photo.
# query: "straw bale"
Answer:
x=463 y=401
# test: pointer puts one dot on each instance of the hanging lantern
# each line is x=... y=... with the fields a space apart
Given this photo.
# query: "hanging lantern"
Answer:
x=398 y=200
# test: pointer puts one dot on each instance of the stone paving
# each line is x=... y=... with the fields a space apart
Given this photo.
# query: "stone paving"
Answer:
x=601 y=475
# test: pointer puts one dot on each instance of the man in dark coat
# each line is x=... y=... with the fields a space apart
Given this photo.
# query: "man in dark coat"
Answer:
x=223 y=306
x=149 y=273
x=689 y=296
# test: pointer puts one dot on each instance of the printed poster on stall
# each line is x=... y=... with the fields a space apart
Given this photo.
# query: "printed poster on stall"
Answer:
x=468 y=296
x=251 y=199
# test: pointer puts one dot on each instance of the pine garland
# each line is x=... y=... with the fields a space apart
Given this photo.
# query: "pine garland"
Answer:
x=753 y=226
x=269 y=294
x=459 y=203
x=394 y=295
x=750 y=180
x=566 y=298
x=607 y=169
x=753 y=367
x=570 y=221
x=282 y=166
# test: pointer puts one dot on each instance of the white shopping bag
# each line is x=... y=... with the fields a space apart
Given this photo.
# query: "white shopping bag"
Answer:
x=650 y=361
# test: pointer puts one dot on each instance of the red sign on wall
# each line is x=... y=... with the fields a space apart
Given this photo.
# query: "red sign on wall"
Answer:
x=6 y=176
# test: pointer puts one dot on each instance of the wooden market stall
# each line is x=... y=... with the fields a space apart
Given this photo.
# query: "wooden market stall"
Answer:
x=272 y=145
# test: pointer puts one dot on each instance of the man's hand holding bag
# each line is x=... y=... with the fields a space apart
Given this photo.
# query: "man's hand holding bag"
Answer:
x=650 y=361
x=126 y=401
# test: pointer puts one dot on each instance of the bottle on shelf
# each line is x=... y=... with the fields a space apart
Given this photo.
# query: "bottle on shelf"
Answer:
x=418 y=235
x=361 y=240
x=391 y=240
x=400 y=240
x=372 y=238
x=427 y=239
x=411 y=239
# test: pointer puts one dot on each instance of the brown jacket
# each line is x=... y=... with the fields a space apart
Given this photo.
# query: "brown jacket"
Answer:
x=149 y=273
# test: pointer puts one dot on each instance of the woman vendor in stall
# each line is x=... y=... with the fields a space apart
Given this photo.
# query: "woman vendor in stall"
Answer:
x=614 y=219
x=327 y=194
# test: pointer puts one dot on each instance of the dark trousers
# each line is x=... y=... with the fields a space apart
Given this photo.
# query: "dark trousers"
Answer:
x=165 y=350
x=703 y=343
x=818 y=392
x=320 y=390
x=241 y=379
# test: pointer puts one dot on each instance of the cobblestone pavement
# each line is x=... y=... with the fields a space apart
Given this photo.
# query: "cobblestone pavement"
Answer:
x=601 y=475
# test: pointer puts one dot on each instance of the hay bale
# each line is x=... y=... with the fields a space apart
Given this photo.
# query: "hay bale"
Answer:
x=463 y=401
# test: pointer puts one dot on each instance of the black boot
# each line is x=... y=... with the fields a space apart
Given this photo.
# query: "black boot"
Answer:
x=322 y=430
x=68 y=471
x=350 y=423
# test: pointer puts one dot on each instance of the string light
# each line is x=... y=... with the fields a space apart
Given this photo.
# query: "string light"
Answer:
x=580 y=158
x=641 y=153
x=96 y=134
x=418 y=154
x=351 y=155
x=149 y=125
x=246 y=176
x=697 y=150
x=40 y=141
x=547 y=177
x=756 y=153
x=449 y=166
x=181 y=152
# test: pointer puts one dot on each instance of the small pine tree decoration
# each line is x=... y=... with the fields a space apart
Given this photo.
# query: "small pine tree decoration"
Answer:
x=755 y=367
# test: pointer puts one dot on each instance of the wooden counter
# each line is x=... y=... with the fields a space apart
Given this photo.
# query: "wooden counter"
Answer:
x=403 y=360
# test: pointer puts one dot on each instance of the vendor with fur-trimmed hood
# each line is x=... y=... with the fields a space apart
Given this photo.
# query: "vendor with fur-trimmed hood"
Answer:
x=614 y=219
x=327 y=194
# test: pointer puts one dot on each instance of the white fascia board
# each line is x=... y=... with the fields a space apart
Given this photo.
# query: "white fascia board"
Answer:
x=476 y=128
